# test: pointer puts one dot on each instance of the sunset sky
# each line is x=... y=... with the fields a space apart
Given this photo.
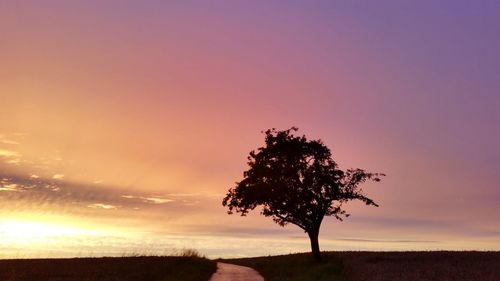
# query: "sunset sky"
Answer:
x=124 y=123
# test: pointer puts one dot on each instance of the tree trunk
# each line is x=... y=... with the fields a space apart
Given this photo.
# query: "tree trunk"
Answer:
x=313 y=236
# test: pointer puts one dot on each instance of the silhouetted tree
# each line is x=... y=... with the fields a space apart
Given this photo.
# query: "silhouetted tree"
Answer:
x=296 y=181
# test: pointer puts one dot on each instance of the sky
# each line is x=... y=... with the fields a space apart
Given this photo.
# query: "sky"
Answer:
x=124 y=123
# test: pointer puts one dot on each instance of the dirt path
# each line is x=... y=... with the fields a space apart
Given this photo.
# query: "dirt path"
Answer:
x=232 y=272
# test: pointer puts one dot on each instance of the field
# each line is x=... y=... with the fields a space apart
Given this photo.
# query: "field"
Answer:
x=108 y=269
x=337 y=266
x=442 y=266
x=380 y=266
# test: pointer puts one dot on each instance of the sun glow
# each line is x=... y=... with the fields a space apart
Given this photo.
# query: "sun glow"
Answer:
x=22 y=230
x=54 y=237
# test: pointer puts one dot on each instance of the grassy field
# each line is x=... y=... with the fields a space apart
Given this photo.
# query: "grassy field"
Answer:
x=297 y=267
x=108 y=269
x=337 y=266
x=380 y=266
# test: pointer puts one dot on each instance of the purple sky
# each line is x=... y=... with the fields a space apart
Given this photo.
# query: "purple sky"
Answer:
x=146 y=110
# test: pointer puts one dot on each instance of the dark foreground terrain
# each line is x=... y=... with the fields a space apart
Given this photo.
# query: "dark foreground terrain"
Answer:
x=108 y=269
x=344 y=266
x=380 y=266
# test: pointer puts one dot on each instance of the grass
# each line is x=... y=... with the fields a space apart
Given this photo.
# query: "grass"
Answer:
x=380 y=266
x=337 y=266
x=297 y=267
x=422 y=266
x=183 y=268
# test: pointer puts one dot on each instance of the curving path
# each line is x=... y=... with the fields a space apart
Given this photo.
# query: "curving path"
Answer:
x=232 y=272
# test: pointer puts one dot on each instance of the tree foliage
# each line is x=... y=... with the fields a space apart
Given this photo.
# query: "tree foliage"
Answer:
x=296 y=181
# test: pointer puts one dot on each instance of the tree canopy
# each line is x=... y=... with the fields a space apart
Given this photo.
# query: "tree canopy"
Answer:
x=296 y=181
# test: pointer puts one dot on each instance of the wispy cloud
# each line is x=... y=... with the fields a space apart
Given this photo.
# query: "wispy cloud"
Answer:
x=154 y=200
x=157 y=200
x=58 y=176
x=184 y=194
x=10 y=156
x=102 y=206
x=9 y=187
x=8 y=153
x=386 y=240
x=34 y=192
x=7 y=140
